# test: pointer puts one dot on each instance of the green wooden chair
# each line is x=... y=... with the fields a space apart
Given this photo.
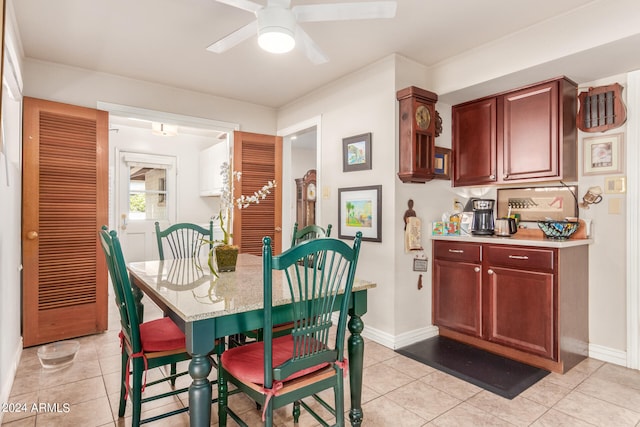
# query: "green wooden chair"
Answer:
x=309 y=232
x=278 y=371
x=145 y=345
x=185 y=240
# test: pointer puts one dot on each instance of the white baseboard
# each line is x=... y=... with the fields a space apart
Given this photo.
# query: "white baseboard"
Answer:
x=606 y=354
x=398 y=341
x=7 y=380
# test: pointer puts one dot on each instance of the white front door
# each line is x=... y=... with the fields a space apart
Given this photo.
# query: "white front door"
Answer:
x=145 y=193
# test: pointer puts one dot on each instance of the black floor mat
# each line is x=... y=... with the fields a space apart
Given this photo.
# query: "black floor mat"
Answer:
x=502 y=376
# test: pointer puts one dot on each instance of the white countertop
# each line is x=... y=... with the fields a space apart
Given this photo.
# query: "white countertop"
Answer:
x=514 y=240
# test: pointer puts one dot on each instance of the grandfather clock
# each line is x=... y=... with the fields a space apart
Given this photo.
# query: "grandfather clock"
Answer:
x=306 y=199
x=417 y=123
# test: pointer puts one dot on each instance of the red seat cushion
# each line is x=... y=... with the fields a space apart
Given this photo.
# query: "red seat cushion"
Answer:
x=247 y=362
x=161 y=335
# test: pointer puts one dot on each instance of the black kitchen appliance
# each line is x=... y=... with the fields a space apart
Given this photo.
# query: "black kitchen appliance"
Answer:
x=483 y=223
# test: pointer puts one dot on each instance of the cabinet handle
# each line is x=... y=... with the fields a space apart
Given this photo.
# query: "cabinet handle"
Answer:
x=489 y=271
x=492 y=177
x=518 y=257
x=456 y=251
x=476 y=269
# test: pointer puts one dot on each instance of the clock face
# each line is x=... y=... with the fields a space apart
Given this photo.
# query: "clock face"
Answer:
x=423 y=117
x=311 y=191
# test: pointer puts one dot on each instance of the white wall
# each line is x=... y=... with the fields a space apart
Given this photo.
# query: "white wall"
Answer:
x=359 y=103
x=85 y=88
x=10 y=226
x=607 y=257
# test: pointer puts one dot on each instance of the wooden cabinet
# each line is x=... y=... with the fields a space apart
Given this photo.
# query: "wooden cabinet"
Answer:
x=211 y=160
x=526 y=303
x=457 y=292
x=516 y=275
x=523 y=135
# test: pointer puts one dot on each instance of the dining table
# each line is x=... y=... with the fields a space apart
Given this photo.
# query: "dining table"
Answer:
x=211 y=306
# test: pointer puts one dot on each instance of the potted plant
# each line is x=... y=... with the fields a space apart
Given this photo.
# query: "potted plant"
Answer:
x=226 y=253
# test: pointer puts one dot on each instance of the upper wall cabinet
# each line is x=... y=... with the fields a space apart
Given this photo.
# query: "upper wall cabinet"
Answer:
x=211 y=160
x=524 y=135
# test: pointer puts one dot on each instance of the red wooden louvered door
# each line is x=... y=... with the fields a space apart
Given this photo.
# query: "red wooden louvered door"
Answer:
x=64 y=202
x=259 y=158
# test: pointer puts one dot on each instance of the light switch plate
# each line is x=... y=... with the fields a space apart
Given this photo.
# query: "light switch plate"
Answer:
x=615 y=185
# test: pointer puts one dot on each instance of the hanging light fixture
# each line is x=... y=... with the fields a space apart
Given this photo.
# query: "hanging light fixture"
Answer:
x=276 y=29
x=163 y=129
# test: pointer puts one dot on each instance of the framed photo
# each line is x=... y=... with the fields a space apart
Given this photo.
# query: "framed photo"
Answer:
x=360 y=209
x=538 y=203
x=356 y=153
x=602 y=154
x=442 y=163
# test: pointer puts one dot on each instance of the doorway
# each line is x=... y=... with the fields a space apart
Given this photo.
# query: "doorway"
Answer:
x=301 y=153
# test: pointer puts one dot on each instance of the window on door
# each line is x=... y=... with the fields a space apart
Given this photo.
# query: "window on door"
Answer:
x=147 y=193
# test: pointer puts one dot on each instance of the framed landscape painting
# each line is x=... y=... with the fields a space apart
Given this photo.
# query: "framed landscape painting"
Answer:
x=356 y=153
x=360 y=209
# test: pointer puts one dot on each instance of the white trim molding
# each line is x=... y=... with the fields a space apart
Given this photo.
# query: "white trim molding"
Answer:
x=606 y=354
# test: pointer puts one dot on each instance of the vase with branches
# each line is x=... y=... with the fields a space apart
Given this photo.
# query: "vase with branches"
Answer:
x=225 y=252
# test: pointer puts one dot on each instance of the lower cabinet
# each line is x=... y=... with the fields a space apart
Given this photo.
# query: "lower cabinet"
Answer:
x=526 y=303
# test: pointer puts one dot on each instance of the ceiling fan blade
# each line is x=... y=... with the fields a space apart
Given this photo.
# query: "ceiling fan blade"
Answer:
x=345 y=11
x=309 y=47
x=240 y=35
x=247 y=5
x=280 y=3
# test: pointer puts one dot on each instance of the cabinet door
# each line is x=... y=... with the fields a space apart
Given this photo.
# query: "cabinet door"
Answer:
x=457 y=298
x=520 y=310
x=474 y=142
x=211 y=160
x=529 y=133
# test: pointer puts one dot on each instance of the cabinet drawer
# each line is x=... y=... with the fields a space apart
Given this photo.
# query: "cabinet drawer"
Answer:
x=521 y=258
x=457 y=251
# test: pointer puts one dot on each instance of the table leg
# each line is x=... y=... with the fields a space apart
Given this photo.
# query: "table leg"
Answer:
x=137 y=297
x=356 y=355
x=199 y=391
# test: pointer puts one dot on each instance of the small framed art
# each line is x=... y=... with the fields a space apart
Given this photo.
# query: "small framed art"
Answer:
x=360 y=209
x=356 y=153
x=442 y=163
x=602 y=154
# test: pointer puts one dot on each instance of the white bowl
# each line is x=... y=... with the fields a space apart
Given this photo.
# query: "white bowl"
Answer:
x=58 y=354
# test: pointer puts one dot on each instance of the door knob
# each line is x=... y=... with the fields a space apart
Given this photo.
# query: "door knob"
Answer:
x=32 y=235
x=278 y=229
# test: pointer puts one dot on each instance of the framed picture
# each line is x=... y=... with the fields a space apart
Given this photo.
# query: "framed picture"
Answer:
x=360 y=209
x=356 y=153
x=442 y=163
x=538 y=203
x=602 y=154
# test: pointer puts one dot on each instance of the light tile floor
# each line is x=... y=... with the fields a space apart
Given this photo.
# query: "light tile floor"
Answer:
x=397 y=392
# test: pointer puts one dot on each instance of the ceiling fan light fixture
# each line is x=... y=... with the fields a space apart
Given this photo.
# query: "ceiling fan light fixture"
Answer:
x=276 y=30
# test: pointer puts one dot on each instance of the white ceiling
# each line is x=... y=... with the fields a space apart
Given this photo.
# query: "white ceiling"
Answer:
x=165 y=41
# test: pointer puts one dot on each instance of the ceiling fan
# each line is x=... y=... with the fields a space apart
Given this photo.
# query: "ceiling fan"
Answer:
x=278 y=29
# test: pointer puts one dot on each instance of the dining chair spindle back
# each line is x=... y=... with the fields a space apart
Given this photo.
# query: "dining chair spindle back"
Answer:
x=184 y=240
x=278 y=371
x=144 y=345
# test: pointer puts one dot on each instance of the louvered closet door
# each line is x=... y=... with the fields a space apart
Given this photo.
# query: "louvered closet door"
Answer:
x=259 y=158
x=64 y=202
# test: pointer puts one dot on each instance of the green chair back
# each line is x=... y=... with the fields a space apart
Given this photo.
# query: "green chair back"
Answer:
x=309 y=232
x=185 y=240
x=129 y=320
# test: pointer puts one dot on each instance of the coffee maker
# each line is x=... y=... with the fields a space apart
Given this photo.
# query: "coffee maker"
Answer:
x=483 y=223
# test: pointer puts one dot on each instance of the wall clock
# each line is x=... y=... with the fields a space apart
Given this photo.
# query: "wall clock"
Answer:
x=417 y=134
